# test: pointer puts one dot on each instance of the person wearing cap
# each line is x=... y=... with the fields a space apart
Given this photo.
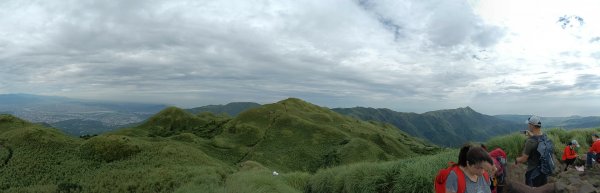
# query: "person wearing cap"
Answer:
x=594 y=150
x=530 y=155
x=569 y=154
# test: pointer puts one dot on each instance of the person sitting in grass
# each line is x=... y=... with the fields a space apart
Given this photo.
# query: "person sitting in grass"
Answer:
x=594 y=150
x=570 y=153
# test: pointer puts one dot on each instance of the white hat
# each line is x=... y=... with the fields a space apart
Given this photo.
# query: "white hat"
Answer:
x=534 y=120
x=574 y=142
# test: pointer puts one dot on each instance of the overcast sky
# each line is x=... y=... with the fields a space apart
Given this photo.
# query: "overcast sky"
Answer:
x=496 y=56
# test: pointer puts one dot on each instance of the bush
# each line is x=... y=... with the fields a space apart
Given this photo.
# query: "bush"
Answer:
x=185 y=137
x=108 y=148
x=67 y=187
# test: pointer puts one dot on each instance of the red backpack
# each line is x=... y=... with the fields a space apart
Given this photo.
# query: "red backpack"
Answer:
x=442 y=176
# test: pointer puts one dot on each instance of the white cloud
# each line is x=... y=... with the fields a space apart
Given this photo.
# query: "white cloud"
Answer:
x=403 y=55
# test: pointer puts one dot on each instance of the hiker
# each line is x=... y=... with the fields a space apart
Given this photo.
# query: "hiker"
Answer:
x=537 y=173
x=570 y=154
x=594 y=150
x=472 y=164
x=499 y=174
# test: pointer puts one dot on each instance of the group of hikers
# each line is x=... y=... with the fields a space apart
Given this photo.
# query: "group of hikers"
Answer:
x=480 y=171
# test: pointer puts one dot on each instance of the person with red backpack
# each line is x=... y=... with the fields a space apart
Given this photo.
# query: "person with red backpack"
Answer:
x=499 y=176
x=469 y=175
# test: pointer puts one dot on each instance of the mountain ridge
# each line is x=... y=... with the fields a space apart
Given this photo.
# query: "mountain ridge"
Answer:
x=316 y=135
x=448 y=127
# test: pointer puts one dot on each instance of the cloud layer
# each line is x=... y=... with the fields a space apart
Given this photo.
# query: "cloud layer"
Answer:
x=403 y=55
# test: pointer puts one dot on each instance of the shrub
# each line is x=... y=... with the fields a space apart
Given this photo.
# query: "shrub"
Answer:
x=108 y=148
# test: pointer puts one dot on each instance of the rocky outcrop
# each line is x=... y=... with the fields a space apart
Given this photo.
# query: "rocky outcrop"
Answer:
x=578 y=182
x=570 y=181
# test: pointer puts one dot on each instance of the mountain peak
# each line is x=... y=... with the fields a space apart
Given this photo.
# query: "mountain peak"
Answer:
x=461 y=110
x=293 y=100
x=467 y=109
x=170 y=111
x=168 y=115
x=231 y=109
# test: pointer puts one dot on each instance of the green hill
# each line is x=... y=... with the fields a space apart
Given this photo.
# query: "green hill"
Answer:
x=290 y=135
x=231 y=109
x=452 y=127
x=40 y=159
x=177 y=151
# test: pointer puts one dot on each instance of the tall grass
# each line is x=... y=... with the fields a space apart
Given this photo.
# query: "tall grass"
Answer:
x=407 y=175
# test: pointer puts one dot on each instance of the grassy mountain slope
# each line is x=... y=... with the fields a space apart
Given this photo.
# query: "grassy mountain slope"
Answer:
x=444 y=127
x=34 y=158
x=176 y=151
x=289 y=135
x=231 y=109
x=39 y=159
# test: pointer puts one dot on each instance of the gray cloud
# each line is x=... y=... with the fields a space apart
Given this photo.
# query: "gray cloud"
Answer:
x=588 y=82
x=446 y=23
x=454 y=23
x=387 y=53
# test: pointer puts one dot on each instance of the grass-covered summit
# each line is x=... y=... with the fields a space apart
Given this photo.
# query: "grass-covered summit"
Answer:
x=295 y=135
x=177 y=151
x=290 y=135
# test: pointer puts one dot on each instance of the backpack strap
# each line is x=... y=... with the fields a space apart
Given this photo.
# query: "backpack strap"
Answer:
x=462 y=184
x=460 y=176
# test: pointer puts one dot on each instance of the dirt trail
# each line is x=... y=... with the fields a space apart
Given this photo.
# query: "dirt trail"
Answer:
x=570 y=181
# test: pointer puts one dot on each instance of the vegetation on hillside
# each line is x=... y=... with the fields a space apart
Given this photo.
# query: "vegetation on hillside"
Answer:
x=176 y=151
x=313 y=150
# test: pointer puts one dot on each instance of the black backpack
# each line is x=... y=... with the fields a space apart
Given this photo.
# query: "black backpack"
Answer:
x=546 y=149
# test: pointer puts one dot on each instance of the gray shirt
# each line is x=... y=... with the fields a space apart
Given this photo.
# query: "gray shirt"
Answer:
x=481 y=186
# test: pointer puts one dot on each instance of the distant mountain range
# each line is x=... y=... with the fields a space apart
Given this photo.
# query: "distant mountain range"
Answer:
x=452 y=127
x=231 y=109
x=572 y=122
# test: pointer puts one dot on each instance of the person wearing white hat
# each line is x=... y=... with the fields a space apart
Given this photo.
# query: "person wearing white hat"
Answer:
x=570 y=154
x=530 y=154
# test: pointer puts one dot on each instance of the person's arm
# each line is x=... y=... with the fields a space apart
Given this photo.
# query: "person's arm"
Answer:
x=522 y=159
x=526 y=150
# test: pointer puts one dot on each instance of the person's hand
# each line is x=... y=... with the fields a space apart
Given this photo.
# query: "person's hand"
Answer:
x=494 y=170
